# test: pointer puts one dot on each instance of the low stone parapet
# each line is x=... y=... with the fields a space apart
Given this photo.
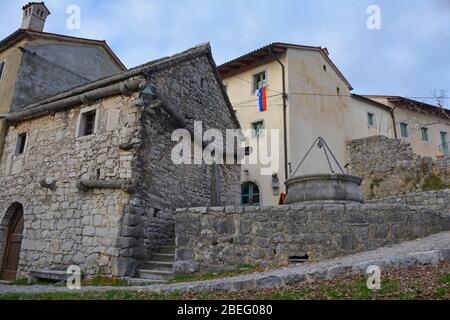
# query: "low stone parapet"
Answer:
x=213 y=239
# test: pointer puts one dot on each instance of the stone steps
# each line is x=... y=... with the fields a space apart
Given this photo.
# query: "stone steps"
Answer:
x=155 y=274
x=159 y=268
x=157 y=265
x=163 y=257
x=167 y=249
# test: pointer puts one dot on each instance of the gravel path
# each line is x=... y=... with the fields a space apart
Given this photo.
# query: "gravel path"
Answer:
x=429 y=250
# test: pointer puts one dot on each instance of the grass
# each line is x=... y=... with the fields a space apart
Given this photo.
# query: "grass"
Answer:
x=419 y=283
x=101 y=281
x=444 y=288
x=433 y=182
x=21 y=282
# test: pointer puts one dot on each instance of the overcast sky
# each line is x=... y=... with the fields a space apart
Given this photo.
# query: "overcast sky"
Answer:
x=409 y=56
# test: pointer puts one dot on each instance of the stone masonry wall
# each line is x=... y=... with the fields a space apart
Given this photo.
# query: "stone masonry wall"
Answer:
x=211 y=239
x=192 y=89
x=390 y=168
x=110 y=231
x=67 y=226
x=437 y=200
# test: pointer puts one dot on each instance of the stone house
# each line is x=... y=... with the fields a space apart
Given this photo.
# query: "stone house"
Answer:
x=307 y=97
x=35 y=65
x=86 y=177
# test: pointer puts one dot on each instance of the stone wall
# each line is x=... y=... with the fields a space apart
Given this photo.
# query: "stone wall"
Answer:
x=437 y=200
x=66 y=226
x=221 y=238
x=390 y=168
x=108 y=230
x=163 y=185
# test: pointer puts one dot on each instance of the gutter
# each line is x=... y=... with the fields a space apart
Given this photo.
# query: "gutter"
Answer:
x=125 y=88
x=394 y=122
x=283 y=74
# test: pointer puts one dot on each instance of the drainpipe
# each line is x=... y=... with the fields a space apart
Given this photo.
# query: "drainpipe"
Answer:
x=283 y=73
x=393 y=120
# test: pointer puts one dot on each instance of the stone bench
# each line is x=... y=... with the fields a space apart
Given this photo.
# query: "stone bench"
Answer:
x=49 y=275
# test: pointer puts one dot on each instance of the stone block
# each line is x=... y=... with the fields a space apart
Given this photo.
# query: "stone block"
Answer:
x=245 y=227
x=243 y=285
x=184 y=254
x=224 y=226
x=185 y=267
x=269 y=282
x=426 y=257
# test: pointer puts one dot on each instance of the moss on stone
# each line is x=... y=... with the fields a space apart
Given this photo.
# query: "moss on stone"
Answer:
x=433 y=182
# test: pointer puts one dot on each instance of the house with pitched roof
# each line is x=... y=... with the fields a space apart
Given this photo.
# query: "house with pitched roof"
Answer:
x=35 y=65
x=307 y=97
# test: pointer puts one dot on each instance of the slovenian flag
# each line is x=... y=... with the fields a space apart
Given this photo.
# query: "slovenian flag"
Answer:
x=262 y=99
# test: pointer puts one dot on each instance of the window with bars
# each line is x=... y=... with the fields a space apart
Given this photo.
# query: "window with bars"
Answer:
x=87 y=123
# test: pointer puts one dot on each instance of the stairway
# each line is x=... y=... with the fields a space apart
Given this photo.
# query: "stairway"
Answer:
x=159 y=268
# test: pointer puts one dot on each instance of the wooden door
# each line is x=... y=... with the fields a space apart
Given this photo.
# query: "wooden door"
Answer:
x=13 y=244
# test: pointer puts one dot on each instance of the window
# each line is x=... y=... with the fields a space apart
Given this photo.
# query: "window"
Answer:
x=87 y=123
x=250 y=194
x=2 y=66
x=325 y=67
x=338 y=91
x=21 y=142
x=404 y=130
x=259 y=81
x=258 y=128
x=424 y=134
x=444 y=143
x=371 y=119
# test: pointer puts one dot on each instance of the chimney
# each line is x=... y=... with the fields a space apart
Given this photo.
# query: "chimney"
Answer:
x=34 y=15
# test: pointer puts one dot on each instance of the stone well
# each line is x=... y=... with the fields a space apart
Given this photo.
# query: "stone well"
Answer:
x=324 y=187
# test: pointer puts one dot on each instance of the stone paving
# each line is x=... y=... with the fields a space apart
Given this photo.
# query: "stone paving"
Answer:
x=429 y=250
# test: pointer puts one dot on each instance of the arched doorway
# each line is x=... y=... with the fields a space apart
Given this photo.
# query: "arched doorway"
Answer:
x=14 y=230
x=250 y=194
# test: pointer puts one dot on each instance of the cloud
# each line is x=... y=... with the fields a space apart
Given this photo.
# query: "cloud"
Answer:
x=407 y=56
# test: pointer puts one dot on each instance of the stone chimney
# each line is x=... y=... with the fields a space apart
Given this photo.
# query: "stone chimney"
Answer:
x=34 y=15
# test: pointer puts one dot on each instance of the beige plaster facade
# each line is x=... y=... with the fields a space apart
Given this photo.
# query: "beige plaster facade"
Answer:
x=319 y=102
x=411 y=113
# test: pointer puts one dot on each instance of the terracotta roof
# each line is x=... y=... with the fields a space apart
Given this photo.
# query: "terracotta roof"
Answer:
x=264 y=54
x=370 y=101
x=400 y=101
x=21 y=34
